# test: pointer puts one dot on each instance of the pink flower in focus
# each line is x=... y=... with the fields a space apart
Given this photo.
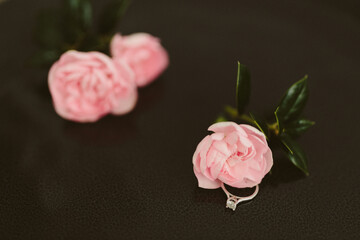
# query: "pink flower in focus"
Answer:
x=87 y=86
x=237 y=155
x=143 y=53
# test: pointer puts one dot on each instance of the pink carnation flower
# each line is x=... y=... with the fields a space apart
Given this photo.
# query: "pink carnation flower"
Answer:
x=87 y=86
x=144 y=54
x=237 y=155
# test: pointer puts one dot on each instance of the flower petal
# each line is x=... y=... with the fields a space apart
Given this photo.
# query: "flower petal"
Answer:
x=226 y=127
x=253 y=131
x=206 y=183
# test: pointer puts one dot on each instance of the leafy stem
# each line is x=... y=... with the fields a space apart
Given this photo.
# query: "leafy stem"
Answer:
x=289 y=122
x=72 y=27
x=233 y=113
x=274 y=127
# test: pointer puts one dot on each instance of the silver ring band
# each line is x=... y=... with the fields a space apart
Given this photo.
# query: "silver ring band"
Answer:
x=233 y=200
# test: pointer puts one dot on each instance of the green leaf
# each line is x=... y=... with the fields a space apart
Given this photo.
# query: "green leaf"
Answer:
x=295 y=153
x=298 y=127
x=80 y=11
x=293 y=102
x=242 y=88
x=77 y=17
x=232 y=112
x=112 y=15
x=48 y=32
x=261 y=125
x=278 y=121
x=86 y=14
x=221 y=118
x=73 y=4
x=45 y=58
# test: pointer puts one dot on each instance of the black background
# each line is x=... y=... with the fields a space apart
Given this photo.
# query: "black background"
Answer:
x=131 y=177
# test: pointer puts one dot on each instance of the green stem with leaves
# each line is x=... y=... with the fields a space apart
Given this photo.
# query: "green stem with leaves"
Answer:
x=233 y=113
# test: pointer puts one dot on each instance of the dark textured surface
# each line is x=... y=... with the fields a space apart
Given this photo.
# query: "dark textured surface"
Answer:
x=131 y=177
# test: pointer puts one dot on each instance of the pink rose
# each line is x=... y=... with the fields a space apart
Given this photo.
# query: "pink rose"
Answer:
x=237 y=155
x=87 y=86
x=143 y=53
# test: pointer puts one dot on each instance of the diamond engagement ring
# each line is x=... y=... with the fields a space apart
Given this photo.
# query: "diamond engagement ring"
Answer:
x=233 y=200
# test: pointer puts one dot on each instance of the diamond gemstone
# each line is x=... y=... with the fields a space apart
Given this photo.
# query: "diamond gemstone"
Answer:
x=230 y=203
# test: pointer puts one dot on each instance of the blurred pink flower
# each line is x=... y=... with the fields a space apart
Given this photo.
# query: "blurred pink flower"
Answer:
x=143 y=53
x=87 y=86
x=237 y=155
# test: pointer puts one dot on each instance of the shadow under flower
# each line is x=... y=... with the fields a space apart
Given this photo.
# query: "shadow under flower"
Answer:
x=283 y=171
x=107 y=131
x=110 y=129
x=113 y=129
